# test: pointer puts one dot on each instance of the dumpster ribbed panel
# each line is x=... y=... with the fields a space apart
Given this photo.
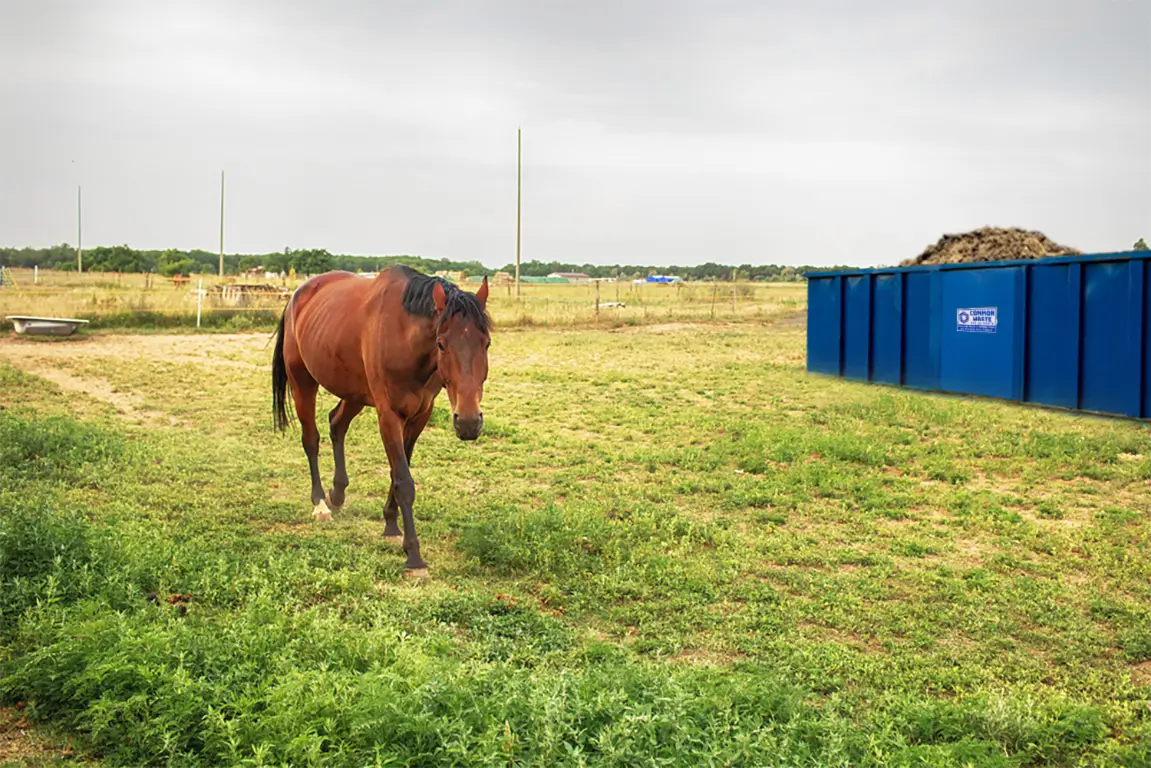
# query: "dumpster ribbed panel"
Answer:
x=1070 y=332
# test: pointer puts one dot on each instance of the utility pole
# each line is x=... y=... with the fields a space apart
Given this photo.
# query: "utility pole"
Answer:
x=519 y=194
x=221 y=223
x=79 y=233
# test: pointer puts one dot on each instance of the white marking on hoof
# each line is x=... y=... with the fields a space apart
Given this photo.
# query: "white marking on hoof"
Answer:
x=394 y=539
x=415 y=573
x=321 y=513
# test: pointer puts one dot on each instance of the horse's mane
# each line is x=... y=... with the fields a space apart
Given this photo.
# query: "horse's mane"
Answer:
x=417 y=299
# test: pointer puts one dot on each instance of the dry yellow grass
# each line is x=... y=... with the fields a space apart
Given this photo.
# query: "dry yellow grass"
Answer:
x=100 y=295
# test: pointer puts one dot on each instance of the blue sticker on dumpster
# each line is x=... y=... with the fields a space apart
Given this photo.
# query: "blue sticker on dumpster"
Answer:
x=977 y=319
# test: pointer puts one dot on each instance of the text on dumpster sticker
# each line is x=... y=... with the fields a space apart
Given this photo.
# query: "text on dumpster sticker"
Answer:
x=977 y=319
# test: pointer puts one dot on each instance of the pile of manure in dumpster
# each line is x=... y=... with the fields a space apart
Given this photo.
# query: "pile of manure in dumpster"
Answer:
x=990 y=244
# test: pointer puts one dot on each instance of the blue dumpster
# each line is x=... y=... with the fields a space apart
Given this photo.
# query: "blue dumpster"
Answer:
x=1072 y=332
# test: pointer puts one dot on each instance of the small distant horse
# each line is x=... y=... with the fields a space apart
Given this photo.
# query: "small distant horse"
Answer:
x=391 y=342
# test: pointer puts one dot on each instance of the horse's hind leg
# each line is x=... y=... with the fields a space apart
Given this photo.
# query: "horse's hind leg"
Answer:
x=338 y=421
x=304 y=389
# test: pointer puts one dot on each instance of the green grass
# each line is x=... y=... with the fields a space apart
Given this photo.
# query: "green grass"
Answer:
x=668 y=548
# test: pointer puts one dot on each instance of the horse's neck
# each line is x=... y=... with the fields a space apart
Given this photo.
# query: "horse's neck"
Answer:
x=423 y=340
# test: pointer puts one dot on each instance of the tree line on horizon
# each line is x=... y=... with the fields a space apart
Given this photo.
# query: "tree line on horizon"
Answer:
x=311 y=261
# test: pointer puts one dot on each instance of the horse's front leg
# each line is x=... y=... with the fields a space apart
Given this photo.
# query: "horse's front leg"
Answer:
x=412 y=430
x=403 y=487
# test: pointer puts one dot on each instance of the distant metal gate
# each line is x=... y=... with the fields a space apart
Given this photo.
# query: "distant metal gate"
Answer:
x=1072 y=332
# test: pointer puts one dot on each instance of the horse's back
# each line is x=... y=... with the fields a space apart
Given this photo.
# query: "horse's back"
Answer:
x=324 y=324
x=323 y=283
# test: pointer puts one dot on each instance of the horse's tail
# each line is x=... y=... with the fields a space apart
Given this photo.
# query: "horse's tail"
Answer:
x=280 y=379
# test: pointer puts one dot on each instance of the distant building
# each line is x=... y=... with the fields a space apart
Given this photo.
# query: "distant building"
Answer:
x=531 y=279
x=572 y=277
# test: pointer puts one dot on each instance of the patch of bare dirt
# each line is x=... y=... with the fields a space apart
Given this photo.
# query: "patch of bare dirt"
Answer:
x=298 y=527
x=792 y=321
x=694 y=397
x=1073 y=518
x=126 y=403
x=994 y=483
x=42 y=359
x=1133 y=495
x=657 y=328
x=970 y=552
x=706 y=657
x=990 y=244
x=22 y=744
x=854 y=640
x=958 y=644
x=819 y=567
x=212 y=351
x=582 y=435
x=1079 y=578
x=1141 y=673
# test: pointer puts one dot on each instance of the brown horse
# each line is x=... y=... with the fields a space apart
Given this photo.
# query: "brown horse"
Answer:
x=391 y=342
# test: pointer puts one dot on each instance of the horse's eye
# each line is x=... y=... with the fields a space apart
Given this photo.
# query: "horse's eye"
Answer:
x=440 y=344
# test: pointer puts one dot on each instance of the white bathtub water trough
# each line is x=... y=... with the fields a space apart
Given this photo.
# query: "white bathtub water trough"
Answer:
x=45 y=326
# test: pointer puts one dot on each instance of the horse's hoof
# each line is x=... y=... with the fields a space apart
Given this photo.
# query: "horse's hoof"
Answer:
x=397 y=539
x=336 y=498
x=321 y=513
x=416 y=573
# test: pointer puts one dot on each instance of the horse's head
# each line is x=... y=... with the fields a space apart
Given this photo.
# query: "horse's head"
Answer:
x=463 y=335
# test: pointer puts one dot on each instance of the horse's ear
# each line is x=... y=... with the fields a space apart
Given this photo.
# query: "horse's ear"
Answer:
x=439 y=297
x=482 y=293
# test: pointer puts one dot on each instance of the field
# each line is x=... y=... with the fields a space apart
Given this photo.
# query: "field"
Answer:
x=671 y=546
x=139 y=302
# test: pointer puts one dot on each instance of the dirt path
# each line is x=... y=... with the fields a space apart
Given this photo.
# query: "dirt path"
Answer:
x=43 y=359
x=128 y=404
x=210 y=350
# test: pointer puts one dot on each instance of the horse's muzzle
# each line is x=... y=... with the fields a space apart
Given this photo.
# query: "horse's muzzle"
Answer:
x=468 y=429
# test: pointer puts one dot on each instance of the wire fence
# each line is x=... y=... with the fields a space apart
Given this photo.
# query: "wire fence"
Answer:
x=106 y=299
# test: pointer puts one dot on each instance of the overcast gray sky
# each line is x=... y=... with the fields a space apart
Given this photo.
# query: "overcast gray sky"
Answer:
x=654 y=132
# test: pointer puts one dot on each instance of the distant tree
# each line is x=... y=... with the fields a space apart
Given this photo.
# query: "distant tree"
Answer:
x=168 y=263
x=174 y=262
x=312 y=261
x=250 y=262
x=118 y=258
x=1140 y=245
x=275 y=262
x=121 y=258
